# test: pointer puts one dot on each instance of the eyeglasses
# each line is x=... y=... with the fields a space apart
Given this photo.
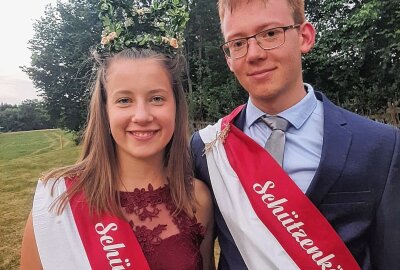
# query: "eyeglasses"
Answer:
x=267 y=39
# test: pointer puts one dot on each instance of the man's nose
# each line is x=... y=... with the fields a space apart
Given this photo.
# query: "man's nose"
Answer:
x=254 y=50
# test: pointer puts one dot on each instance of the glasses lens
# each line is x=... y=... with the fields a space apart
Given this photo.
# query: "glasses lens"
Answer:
x=225 y=48
x=235 y=48
x=271 y=38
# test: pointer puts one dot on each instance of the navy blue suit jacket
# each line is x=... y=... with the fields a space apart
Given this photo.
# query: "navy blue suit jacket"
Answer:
x=356 y=187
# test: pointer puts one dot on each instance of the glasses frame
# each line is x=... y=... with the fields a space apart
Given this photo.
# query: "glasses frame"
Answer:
x=284 y=28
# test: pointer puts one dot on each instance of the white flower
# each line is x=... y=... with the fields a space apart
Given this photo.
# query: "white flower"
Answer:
x=128 y=22
x=139 y=11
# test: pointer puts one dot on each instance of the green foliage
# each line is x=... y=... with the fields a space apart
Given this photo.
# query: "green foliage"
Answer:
x=60 y=65
x=356 y=58
x=218 y=101
x=30 y=115
x=213 y=91
x=157 y=24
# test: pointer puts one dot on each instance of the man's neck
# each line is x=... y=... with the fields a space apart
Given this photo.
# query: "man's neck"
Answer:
x=274 y=106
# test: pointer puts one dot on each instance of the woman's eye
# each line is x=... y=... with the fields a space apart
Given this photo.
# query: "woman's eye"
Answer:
x=157 y=99
x=123 y=100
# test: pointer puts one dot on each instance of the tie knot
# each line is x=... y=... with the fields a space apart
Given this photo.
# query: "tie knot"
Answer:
x=276 y=122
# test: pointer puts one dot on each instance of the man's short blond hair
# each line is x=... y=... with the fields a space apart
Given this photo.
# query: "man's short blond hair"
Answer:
x=297 y=7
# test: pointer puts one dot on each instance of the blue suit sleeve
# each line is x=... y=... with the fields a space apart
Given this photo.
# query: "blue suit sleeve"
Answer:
x=385 y=237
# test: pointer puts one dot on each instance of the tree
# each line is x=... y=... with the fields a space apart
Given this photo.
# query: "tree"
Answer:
x=60 y=62
x=29 y=115
x=356 y=56
x=9 y=119
x=214 y=91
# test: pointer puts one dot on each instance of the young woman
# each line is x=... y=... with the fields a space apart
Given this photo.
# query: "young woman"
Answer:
x=130 y=202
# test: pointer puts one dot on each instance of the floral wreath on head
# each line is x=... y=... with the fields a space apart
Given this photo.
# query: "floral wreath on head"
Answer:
x=153 y=24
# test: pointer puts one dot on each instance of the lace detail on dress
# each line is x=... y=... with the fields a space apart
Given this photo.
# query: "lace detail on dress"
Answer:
x=138 y=201
x=168 y=241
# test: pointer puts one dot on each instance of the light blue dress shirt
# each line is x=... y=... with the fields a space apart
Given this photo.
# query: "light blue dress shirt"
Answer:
x=304 y=137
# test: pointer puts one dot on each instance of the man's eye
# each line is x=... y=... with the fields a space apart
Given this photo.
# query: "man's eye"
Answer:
x=269 y=34
x=238 y=44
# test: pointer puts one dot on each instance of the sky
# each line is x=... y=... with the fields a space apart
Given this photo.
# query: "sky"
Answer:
x=16 y=28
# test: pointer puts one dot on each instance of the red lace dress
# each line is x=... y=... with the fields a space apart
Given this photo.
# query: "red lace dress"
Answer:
x=168 y=242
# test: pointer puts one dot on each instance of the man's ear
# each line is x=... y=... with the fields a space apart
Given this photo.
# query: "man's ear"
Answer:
x=307 y=35
x=229 y=62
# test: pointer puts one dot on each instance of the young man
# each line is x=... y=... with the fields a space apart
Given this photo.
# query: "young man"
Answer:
x=325 y=196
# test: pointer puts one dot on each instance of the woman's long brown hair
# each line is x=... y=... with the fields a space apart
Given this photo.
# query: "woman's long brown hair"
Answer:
x=96 y=173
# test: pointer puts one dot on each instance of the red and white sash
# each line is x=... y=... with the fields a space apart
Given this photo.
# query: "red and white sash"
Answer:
x=77 y=240
x=273 y=224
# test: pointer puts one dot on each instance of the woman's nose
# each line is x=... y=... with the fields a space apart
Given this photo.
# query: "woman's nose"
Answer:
x=142 y=114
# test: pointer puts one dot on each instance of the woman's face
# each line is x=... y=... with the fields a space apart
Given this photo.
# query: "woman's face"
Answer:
x=141 y=108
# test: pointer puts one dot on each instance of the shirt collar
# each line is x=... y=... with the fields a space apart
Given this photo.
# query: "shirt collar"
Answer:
x=296 y=115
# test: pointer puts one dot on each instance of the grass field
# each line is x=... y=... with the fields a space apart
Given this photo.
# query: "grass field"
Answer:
x=23 y=157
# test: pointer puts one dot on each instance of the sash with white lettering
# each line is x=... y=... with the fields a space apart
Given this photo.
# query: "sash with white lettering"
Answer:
x=108 y=240
x=295 y=234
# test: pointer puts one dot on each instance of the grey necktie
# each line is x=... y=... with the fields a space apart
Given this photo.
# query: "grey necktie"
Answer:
x=275 y=144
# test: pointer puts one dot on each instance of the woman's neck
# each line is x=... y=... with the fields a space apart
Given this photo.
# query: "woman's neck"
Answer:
x=141 y=173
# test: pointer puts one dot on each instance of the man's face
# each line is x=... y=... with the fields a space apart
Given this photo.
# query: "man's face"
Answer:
x=273 y=78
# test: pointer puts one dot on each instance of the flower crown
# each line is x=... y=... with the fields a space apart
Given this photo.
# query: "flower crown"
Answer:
x=157 y=25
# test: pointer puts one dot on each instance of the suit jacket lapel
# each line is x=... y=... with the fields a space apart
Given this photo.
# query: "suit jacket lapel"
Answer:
x=241 y=118
x=335 y=148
